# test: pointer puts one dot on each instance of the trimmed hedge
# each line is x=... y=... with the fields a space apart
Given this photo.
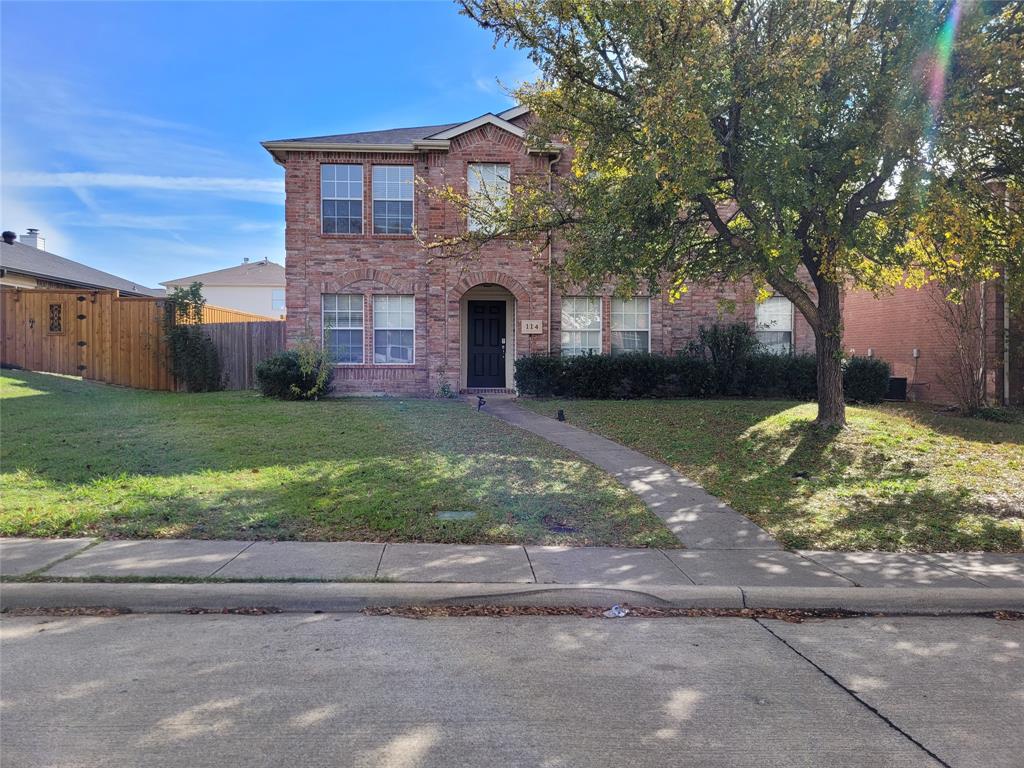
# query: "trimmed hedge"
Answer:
x=620 y=377
x=632 y=376
x=865 y=379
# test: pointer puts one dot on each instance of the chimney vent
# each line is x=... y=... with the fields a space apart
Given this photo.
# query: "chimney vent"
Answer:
x=34 y=239
x=9 y=237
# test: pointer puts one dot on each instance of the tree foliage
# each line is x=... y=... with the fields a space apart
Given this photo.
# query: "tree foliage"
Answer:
x=195 y=361
x=801 y=145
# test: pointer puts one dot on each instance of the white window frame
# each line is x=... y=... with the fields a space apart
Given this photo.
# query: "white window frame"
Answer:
x=760 y=327
x=475 y=178
x=361 y=328
x=613 y=330
x=361 y=199
x=570 y=301
x=412 y=327
x=374 y=199
x=274 y=301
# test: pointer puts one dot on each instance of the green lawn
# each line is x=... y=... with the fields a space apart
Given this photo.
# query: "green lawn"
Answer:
x=900 y=477
x=82 y=458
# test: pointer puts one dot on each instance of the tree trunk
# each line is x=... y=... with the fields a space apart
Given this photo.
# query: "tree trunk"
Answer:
x=828 y=336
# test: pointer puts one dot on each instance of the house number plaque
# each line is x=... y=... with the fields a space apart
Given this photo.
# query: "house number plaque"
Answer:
x=532 y=326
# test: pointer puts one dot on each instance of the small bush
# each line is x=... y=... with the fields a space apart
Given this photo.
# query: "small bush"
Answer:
x=303 y=373
x=865 y=379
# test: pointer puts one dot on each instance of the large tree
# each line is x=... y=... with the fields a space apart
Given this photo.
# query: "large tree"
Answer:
x=799 y=144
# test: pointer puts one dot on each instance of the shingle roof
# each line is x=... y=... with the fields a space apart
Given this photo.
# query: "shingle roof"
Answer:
x=390 y=136
x=259 y=273
x=26 y=260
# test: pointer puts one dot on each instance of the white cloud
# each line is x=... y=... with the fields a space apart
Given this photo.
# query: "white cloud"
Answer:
x=79 y=180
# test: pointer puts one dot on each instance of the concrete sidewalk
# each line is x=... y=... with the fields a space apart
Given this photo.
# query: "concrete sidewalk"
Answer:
x=698 y=519
x=500 y=564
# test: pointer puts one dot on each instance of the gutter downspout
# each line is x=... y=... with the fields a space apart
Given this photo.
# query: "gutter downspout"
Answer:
x=551 y=173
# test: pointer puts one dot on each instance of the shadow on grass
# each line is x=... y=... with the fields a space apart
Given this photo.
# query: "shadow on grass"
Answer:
x=875 y=502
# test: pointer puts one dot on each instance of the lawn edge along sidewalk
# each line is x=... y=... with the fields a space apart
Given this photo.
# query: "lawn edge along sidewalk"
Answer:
x=698 y=519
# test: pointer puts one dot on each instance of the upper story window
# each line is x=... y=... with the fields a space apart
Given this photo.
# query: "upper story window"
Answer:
x=581 y=325
x=341 y=199
x=392 y=199
x=631 y=325
x=773 y=324
x=488 y=187
x=343 y=327
x=277 y=299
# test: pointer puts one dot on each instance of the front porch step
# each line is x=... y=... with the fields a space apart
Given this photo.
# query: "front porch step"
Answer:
x=487 y=391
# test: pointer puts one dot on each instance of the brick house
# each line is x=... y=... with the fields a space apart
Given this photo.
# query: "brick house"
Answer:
x=396 y=321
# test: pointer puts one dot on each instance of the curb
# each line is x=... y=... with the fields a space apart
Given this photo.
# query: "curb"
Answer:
x=353 y=597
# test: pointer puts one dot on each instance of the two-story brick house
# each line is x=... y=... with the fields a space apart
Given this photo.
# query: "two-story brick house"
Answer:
x=397 y=321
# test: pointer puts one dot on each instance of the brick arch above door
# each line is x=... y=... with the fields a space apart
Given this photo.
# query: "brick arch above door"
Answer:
x=510 y=284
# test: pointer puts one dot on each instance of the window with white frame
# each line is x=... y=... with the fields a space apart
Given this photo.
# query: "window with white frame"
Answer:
x=341 y=199
x=773 y=324
x=631 y=325
x=488 y=186
x=277 y=299
x=392 y=199
x=343 y=327
x=394 y=323
x=581 y=325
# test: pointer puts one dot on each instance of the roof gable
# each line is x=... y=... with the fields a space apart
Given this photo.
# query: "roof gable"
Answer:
x=487 y=119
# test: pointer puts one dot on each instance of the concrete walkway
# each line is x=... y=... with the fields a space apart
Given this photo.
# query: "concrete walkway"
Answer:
x=698 y=519
x=497 y=564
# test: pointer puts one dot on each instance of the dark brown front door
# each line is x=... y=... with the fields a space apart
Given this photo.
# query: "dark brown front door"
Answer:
x=486 y=344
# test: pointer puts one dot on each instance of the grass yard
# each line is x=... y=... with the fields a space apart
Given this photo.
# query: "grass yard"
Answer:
x=900 y=477
x=79 y=458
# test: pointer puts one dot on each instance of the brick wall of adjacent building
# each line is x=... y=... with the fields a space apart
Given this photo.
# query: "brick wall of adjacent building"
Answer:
x=369 y=264
x=893 y=325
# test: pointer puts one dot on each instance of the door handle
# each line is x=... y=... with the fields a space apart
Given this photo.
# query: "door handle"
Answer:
x=502 y=349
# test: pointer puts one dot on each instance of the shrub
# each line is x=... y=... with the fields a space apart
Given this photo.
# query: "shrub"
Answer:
x=195 y=361
x=767 y=374
x=539 y=375
x=728 y=347
x=690 y=377
x=865 y=379
x=620 y=377
x=303 y=373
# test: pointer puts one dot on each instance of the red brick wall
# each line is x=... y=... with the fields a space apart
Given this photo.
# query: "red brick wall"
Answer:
x=895 y=324
x=369 y=264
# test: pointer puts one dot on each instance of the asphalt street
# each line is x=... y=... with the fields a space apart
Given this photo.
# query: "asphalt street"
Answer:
x=351 y=690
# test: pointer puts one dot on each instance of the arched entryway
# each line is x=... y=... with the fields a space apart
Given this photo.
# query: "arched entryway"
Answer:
x=487 y=325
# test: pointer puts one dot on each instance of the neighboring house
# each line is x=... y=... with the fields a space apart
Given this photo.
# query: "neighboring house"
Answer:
x=253 y=286
x=923 y=338
x=27 y=264
x=396 y=320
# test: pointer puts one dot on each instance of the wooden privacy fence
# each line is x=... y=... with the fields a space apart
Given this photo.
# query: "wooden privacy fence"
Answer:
x=107 y=337
x=242 y=346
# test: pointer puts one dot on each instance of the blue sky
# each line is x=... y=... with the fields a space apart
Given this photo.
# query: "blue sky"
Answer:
x=129 y=132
